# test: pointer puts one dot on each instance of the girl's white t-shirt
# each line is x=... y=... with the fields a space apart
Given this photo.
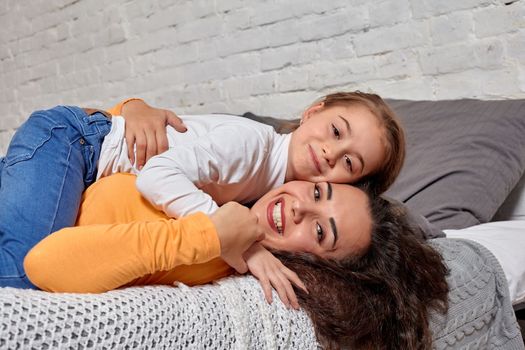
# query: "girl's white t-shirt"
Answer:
x=220 y=158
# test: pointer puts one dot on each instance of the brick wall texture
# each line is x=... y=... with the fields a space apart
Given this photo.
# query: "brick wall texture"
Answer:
x=271 y=57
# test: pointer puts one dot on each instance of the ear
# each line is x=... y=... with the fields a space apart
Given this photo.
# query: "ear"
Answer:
x=310 y=111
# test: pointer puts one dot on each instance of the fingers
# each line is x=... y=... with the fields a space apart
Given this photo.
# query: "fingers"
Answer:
x=282 y=291
x=141 y=144
x=267 y=289
x=271 y=272
x=282 y=286
x=293 y=278
x=237 y=230
x=285 y=290
x=240 y=266
x=162 y=135
x=162 y=141
x=130 y=142
x=147 y=143
x=281 y=280
x=175 y=121
x=146 y=130
x=151 y=147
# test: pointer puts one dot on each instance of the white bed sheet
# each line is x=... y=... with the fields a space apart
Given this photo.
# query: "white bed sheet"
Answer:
x=506 y=240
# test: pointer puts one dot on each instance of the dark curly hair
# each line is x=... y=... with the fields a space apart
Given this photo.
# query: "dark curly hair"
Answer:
x=380 y=299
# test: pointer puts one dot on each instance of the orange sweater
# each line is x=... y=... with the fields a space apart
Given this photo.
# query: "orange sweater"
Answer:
x=117 y=109
x=122 y=240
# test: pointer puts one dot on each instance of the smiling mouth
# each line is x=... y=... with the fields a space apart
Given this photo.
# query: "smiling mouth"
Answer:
x=276 y=216
x=314 y=159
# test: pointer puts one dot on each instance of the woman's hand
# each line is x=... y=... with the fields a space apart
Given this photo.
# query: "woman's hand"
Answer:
x=271 y=272
x=146 y=128
x=237 y=229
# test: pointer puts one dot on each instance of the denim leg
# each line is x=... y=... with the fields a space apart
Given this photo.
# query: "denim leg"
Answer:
x=50 y=161
x=1 y=167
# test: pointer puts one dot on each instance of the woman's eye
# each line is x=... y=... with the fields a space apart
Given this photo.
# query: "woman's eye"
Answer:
x=317 y=193
x=335 y=131
x=320 y=233
x=348 y=163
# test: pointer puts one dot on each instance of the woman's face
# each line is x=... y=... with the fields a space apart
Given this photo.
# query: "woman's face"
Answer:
x=328 y=220
x=339 y=144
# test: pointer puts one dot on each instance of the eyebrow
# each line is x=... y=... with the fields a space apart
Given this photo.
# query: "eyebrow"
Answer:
x=349 y=130
x=334 y=231
x=331 y=220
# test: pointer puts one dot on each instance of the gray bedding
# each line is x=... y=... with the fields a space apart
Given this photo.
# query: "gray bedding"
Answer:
x=463 y=158
x=232 y=314
x=480 y=314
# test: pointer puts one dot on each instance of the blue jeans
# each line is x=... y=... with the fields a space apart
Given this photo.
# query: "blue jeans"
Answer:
x=50 y=161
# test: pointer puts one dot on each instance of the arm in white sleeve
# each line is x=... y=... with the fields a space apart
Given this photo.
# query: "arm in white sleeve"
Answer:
x=171 y=180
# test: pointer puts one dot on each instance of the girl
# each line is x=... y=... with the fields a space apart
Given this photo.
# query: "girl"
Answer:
x=343 y=138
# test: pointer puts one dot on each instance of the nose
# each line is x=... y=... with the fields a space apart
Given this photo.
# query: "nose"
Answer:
x=330 y=154
x=300 y=210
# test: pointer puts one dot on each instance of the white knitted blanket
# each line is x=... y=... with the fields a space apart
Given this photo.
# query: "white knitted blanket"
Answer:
x=232 y=314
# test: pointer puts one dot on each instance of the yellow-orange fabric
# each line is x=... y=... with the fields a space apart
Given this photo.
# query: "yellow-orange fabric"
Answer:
x=122 y=240
x=117 y=109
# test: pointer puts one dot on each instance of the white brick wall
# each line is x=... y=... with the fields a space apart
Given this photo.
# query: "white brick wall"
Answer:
x=271 y=57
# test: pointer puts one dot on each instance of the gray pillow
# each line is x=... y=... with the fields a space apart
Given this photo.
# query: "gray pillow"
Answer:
x=463 y=158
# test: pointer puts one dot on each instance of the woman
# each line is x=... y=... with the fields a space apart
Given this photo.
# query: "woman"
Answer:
x=370 y=281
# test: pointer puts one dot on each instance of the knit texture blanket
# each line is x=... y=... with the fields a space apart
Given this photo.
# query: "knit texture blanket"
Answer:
x=232 y=314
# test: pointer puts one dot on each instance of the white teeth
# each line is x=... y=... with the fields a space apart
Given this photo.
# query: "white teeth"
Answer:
x=277 y=217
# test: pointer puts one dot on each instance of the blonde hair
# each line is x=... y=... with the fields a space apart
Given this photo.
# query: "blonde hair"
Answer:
x=380 y=180
x=395 y=149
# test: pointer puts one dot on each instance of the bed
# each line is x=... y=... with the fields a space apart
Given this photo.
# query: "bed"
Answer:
x=464 y=159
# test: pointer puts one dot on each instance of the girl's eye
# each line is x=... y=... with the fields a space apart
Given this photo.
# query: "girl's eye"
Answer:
x=348 y=163
x=335 y=131
x=320 y=232
x=317 y=193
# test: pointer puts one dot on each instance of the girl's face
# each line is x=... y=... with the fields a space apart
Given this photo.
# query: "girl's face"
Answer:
x=328 y=220
x=340 y=144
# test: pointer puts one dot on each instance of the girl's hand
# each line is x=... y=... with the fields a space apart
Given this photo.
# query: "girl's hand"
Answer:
x=271 y=272
x=146 y=128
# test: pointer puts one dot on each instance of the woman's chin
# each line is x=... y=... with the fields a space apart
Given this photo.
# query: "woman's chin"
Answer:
x=271 y=243
x=268 y=244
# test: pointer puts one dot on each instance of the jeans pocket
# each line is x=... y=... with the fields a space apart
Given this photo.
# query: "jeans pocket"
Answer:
x=30 y=137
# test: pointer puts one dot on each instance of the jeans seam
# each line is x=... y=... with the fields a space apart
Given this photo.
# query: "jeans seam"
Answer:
x=27 y=156
x=53 y=222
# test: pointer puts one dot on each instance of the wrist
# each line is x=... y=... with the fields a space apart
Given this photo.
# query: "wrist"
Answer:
x=216 y=222
x=130 y=102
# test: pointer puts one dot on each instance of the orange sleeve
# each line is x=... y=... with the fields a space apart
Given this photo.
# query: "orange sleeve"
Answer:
x=98 y=258
x=117 y=109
